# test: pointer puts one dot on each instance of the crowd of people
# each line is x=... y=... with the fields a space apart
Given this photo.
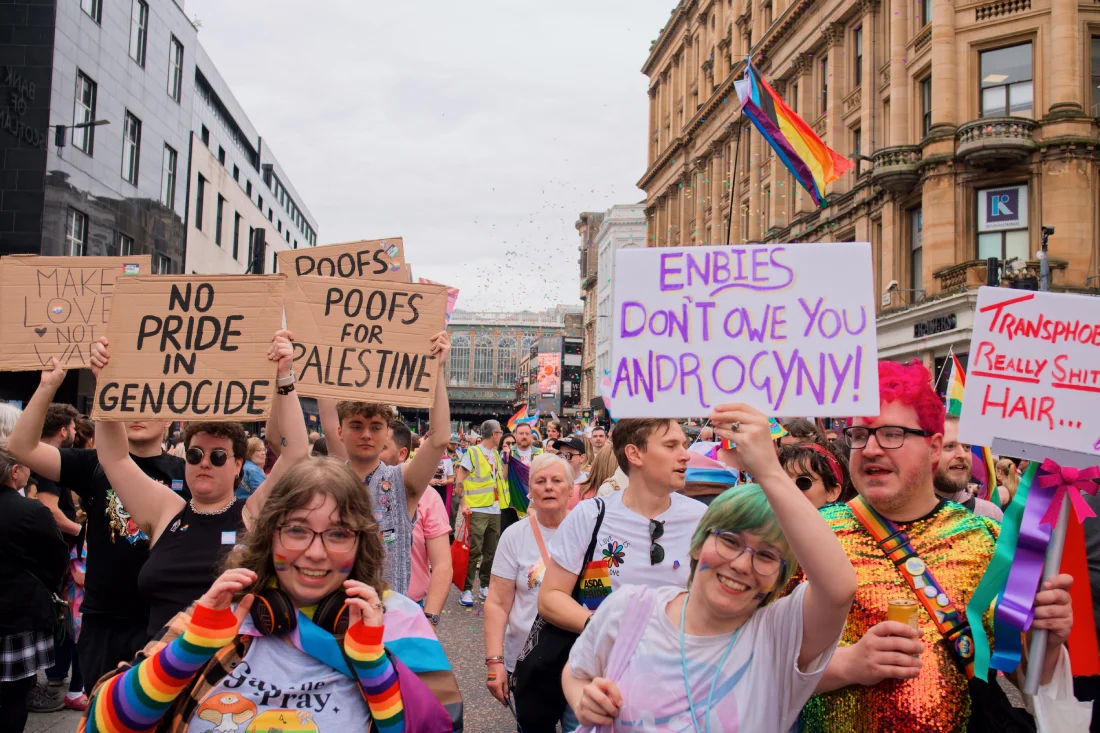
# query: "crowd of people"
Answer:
x=649 y=575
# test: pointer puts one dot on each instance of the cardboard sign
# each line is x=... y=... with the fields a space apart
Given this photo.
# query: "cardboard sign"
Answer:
x=57 y=306
x=191 y=347
x=378 y=259
x=786 y=328
x=1033 y=373
x=366 y=340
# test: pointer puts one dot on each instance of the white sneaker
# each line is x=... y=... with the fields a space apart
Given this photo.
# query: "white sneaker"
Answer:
x=484 y=593
x=467 y=598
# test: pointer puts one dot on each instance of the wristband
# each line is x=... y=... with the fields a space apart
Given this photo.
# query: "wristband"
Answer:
x=285 y=390
x=287 y=381
x=493 y=660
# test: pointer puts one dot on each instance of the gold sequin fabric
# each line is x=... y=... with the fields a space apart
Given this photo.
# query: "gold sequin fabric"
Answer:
x=957 y=546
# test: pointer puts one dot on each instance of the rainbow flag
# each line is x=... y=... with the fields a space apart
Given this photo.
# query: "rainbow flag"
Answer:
x=521 y=414
x=956 y=385
x=519 y=484
x=812 y=163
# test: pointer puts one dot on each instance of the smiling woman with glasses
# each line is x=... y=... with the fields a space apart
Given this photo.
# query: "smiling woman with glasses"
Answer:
x=725 y=654
x=189 y=539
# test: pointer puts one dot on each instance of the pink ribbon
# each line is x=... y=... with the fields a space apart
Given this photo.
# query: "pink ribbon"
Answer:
x=1068 y=480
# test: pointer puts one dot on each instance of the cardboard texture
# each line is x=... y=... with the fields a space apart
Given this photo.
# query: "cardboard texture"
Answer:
x=375 y=259
x=191 y=347
x=366 y=340
x=57 y=306
x=696 y=327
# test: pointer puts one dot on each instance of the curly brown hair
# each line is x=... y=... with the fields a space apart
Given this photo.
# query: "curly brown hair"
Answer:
x=296 y=490
x=231 y=431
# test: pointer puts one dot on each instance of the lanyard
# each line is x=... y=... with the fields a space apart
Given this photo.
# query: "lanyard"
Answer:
x=713 y=682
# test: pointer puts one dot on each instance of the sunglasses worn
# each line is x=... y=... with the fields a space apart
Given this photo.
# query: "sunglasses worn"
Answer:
x=656 y=532
x=218 y=457
x=804 y=483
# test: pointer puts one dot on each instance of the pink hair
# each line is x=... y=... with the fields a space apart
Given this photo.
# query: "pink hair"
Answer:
x=911 y=384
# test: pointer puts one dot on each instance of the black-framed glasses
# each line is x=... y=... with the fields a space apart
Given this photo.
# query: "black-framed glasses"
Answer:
x=731 y=545
x=804 y=483
x=336 y=539
x=656 y=532
x=218 y=457
x=888 y=437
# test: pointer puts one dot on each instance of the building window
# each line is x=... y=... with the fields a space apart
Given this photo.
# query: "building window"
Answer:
x=857 y=41
x=84 y=113
x=857 y=149
x=507 y=360
x=175 y=69
x=236 y=236
x=260 y=204
x=168 y=178
x=218 y=221
x=925 y=10
x=460 y=361
x=794 y=98
x=765 y=206
x=823 y=65
x=287 y=234
x=200 y=199
x=1095 y=76
x=926 y=105
x=248 y=188
x=139 y=31
x=204 y=135
x=1002 y=223
x=916 y=250
x=94 y=9
x=161 y=264
x=77 y=234
x=236 y=173
x=125 y=245
x=131 y=148
x=483 y=361
x=221 y=155
x=1006 y=85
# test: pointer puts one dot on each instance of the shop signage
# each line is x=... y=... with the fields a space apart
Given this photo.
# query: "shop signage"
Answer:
x=20 y=94
x=1004 y=207
x=932 y=326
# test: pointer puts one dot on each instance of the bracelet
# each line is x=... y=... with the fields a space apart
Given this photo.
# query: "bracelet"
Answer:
x=284 y=390
x=493 y=660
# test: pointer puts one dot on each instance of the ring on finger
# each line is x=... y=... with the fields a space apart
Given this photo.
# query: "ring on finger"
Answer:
x=376 y=606
x=735 y=425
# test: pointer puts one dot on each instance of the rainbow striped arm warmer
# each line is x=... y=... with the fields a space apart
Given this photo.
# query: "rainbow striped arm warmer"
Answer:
x=137 y=699
x=377 y=677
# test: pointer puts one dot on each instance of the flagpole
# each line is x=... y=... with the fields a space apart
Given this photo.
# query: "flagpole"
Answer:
x=946 y=362
x=733 y=176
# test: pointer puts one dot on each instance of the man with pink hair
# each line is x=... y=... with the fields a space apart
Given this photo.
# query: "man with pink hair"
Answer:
x=905 y=677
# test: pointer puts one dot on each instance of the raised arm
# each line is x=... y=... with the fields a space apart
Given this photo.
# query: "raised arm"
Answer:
x=151 y=504
x=25 y=441
x=831 y=578
x=330 y=424
x=290 y=421
x=419 y=472
x=556 y=603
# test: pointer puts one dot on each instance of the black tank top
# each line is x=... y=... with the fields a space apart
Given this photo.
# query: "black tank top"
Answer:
x=184 y=562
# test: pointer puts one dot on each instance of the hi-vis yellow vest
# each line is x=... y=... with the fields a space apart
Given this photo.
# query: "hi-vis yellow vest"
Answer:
x=481 y=492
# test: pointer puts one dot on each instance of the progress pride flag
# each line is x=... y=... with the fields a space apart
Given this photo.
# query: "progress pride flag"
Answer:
x=786 y=328
x=1034 y=371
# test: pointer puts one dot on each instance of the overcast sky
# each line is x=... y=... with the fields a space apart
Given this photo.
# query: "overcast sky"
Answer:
x=478 y=131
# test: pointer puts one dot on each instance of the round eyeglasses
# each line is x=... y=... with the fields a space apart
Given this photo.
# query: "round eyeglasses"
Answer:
x=731 y=545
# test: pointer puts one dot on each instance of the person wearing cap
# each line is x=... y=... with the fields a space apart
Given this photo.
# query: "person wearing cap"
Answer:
x=572 y=450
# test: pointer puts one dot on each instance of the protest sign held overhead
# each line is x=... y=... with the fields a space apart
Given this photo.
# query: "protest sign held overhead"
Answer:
x=378 y=259
x=366 y=340
x=786 y=328
x=1034 y=371
x=55 y=307
x=191 y=347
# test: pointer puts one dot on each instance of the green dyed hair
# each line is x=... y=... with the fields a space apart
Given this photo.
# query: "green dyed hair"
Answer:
x=745 y=508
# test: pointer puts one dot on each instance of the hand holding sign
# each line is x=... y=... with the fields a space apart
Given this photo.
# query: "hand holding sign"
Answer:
x=441 y=348
x=54 y=376
x=282 y=351
x=753 y=438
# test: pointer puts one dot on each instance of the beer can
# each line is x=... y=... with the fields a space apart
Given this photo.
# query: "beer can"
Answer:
x=903 y=610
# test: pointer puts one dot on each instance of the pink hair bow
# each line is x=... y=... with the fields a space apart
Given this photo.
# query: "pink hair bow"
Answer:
x=1068 y=480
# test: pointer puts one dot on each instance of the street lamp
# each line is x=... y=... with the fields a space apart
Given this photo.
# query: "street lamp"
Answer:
x=60 y=130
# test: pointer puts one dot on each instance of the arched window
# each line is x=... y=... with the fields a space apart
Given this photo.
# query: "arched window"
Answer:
x=460 y=361
x=506 y=362
x=483 y=362
x=525 y=345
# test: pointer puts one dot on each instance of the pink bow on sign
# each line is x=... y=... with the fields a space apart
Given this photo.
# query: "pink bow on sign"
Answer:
x=1068 y=480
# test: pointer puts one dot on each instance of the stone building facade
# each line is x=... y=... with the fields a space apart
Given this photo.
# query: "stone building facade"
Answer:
x=588 y=225
x=971 y=124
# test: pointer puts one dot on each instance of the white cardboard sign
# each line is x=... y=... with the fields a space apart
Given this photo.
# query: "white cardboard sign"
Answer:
x=786 y=328
x=1033 y=374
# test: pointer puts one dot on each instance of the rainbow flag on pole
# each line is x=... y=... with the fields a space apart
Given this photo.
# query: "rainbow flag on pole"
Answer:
x=521 y=417
x=812 y=163
x=956 y=385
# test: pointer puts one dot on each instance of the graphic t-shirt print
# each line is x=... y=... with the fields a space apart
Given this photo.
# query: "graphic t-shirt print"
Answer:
x=122 y=525
x=596 y=577
x=535 y=574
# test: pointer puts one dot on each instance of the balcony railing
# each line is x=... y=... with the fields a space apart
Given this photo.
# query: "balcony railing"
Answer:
x=996 y=142
x=897 y=168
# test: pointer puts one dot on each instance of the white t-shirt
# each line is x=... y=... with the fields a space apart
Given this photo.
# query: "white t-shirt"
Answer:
x=518 y=559
x=624 y=542
x=468 y=464
x=760 y=688
x=525 y=456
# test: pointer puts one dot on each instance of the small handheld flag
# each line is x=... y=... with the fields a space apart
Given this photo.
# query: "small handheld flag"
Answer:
x=956 y=385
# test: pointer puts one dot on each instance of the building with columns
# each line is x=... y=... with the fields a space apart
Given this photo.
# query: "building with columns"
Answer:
x=588 y=224
x=980 y=115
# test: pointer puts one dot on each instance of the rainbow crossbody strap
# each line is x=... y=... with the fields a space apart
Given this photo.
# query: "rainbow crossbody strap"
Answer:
x=897 y=547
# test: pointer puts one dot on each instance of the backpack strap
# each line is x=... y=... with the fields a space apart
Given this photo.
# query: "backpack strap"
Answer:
x=895 y=544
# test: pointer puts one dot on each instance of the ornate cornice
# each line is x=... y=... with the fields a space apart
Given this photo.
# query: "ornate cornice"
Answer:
x=784 y=24
x=663 y=39
x=653 y=91
x=832 y=34
x=800 y=65
x=866 y=7
x=688 y=38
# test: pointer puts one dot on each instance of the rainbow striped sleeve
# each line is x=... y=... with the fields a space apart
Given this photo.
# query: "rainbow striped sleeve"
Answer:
x=377 y=677
x=137 y=699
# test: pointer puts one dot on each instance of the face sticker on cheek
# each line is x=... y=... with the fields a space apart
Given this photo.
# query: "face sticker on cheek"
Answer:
x=709 y=559
x=281 y=563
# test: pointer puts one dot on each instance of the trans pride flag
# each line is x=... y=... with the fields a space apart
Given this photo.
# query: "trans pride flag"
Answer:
x=812 y=163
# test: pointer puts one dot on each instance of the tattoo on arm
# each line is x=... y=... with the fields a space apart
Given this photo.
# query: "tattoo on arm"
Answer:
x=282 y=442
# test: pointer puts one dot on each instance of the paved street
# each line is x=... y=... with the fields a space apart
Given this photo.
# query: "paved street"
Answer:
x=461 y=632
